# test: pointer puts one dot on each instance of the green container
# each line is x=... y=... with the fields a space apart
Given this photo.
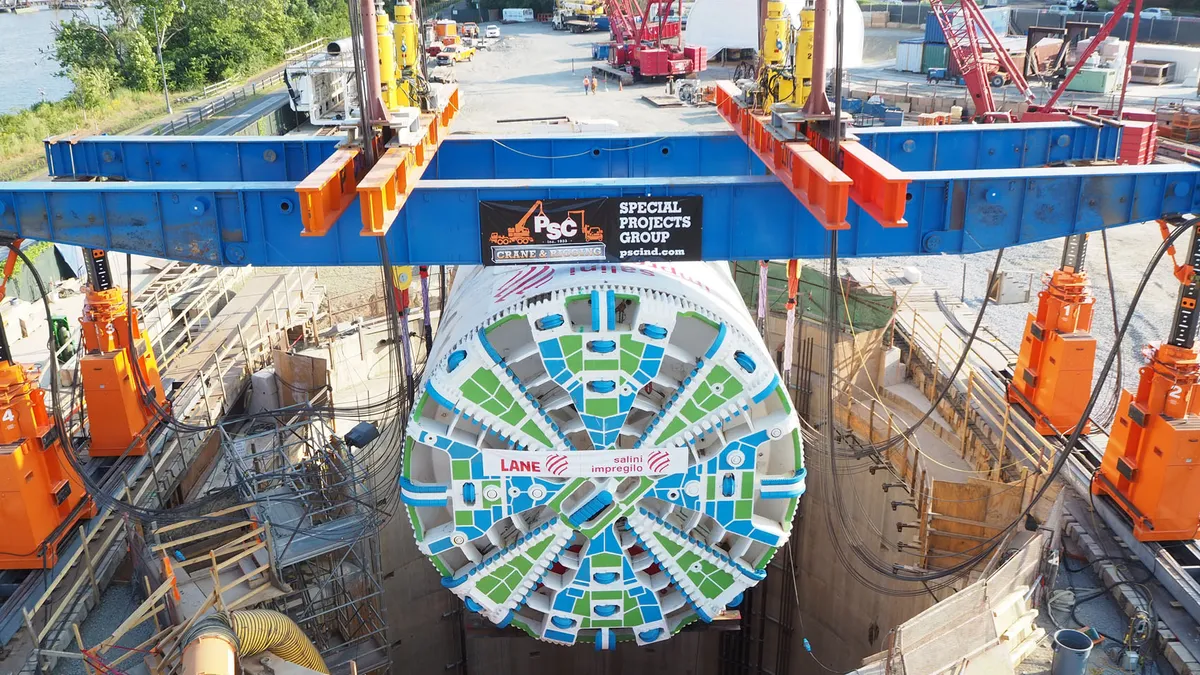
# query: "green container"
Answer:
x=1094 y=80
x=935 y=56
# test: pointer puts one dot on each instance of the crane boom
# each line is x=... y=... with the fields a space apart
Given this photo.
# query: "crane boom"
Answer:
x=967 y=30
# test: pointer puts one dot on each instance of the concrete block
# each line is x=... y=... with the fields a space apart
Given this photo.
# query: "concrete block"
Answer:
x=1181 y=661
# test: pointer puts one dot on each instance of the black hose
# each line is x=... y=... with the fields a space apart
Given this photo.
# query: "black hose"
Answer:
x=987 y=547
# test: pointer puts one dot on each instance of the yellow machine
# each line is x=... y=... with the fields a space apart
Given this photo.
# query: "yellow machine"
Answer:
x=399 y=57
x=387 y=57
x=786 y=73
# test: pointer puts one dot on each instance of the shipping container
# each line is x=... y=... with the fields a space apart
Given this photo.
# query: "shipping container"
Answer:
x=996 y=17
x=517 y=15
x=935 y=56
x=908 y=55
x=933 y=30
x=1094 y=80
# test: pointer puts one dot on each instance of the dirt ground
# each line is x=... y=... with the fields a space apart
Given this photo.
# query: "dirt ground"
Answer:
x=1130 y=249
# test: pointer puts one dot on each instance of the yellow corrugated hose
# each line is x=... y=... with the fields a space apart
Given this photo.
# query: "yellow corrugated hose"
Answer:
x=265 y=630
x=214 y=644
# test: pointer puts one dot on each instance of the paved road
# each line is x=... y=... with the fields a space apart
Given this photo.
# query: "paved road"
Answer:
x=248 y=115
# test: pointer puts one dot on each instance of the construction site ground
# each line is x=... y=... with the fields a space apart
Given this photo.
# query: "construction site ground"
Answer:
x=533 y=71
x=1079 y=571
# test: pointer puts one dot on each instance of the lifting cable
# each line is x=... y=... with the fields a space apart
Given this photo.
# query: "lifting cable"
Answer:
x=762 y=298
x=793 y=285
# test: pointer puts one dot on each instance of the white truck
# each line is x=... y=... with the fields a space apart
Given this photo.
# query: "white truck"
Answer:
x=516 y=15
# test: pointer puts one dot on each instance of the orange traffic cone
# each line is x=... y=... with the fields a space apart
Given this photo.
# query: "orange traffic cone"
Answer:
x=621 y=84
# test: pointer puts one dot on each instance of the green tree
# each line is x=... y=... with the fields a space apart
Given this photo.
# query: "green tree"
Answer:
x=201 y=40
x=93 y=86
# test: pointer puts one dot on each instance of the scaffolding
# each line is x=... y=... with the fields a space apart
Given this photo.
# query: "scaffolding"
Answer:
x=311 y=492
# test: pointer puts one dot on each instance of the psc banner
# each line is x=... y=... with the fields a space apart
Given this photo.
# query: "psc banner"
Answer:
x=603 y=229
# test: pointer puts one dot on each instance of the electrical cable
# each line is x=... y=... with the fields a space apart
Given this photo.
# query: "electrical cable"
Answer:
x=989 y=545
x=192 y=509
x=950 y=379
x=1110 y=411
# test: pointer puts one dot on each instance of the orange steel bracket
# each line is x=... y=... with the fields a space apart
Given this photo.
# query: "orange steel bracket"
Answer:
x=1184 y=273
x=879 y=188
x=814 y=180
x=327 y=192
x=385 y=188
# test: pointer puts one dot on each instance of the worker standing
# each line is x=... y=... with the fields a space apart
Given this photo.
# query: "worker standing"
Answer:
x=587 y=84
x=594 y=85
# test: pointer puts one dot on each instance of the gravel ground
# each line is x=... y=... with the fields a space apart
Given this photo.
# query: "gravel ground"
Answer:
x=116 y=603
x=1130 y=249
x=534 y=71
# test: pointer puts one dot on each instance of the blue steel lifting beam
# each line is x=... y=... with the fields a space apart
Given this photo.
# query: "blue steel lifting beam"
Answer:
x=961 y=189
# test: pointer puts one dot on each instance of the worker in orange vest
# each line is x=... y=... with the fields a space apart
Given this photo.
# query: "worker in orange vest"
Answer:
x=587 y=84
x=594 y=85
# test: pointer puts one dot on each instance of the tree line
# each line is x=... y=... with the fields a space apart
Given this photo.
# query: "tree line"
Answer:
x=201 y=41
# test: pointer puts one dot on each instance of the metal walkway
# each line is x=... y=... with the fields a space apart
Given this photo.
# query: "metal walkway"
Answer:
x=46 y=603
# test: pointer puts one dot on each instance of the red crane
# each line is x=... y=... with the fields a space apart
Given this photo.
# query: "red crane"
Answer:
x=966 y=28
x=621 y=20
x=640 y=41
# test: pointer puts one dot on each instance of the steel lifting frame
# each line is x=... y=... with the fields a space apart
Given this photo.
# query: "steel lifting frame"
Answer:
x=911 y=190
x=328 y=191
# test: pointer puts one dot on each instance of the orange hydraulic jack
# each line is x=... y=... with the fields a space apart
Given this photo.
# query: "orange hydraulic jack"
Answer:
x=1151 y=466
x=1053 y=376
x=41 y=494
x=120 y=412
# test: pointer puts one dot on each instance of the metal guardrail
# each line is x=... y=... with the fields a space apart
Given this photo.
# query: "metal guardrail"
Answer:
x=206 y=111
x=90 y=558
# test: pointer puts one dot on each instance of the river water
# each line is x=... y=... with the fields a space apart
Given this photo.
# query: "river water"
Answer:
x=26 y=73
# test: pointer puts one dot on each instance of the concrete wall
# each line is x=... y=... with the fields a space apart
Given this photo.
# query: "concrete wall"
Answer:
x=840 y=615
x=1187 y=59
x=844 y=620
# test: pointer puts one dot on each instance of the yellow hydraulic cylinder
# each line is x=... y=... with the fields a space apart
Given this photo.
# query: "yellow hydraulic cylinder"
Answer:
x=387 y=58
x=775 y=34
x=787 y=56
x=802 y=66
x=408 y=55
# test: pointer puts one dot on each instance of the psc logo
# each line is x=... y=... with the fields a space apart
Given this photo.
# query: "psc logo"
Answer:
x=554 y=231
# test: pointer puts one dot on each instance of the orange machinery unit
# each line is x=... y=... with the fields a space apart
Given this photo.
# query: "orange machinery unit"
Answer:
x=1053 y=376
x=41 y=494
x=1151 y=466
x=446 y=31
x=120 y=412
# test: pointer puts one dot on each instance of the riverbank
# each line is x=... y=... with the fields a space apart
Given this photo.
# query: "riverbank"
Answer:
x=22 y=133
